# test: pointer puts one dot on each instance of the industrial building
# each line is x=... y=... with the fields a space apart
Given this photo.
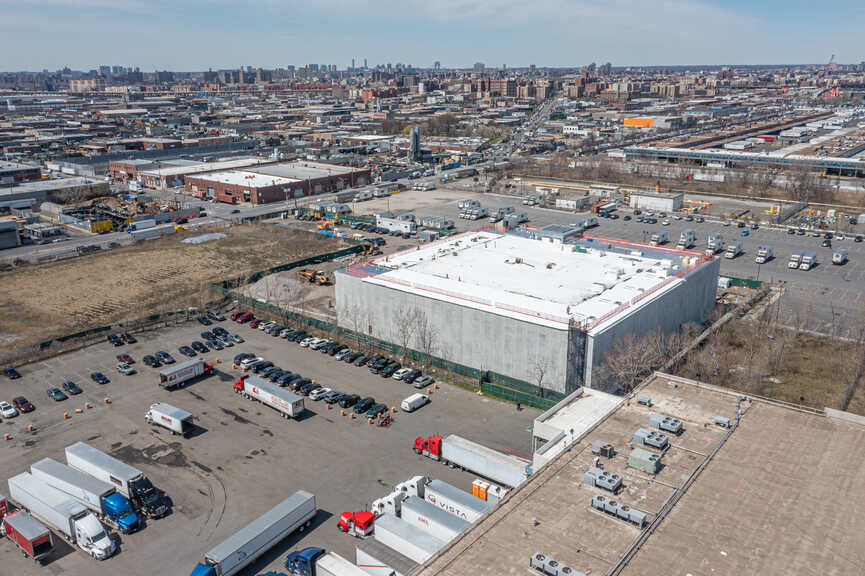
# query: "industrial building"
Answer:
x=14 y=173
x=555 y=309
x=741 y=490
x=275 y=182
x=659 y=201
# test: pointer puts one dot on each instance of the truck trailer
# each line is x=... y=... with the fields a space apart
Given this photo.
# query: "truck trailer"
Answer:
x=129 y=481
x=431 y=519
x=318 y=562
x=376 y=559
x=245 y=546
x=446 y=497
x=288 y=404
x=492 y=464
x=29 y=535
x=179 y=374
x=408 y=540
x=60 y=512
x=170 y=417
x=100 y=497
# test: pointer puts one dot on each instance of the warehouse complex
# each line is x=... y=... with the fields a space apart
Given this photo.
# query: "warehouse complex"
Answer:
x=721 y=496
x=554 y=308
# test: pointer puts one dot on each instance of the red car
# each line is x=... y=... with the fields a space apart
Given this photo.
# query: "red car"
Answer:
x=128 y=338
x=236 y=315
x=254 y=323
x=245 y=317
x=23 y=405
x=125 y=358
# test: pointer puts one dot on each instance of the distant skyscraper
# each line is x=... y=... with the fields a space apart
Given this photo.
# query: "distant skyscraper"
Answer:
x=437 y=65
x=364 y=64
x=479 y=66
x=352 y=63
x=414 y=150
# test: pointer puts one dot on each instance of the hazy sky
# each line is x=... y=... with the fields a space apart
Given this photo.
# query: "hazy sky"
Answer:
x=200 y=34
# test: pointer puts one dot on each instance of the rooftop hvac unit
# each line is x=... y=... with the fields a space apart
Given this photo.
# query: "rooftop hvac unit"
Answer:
x=598 y=478
x=666 y=423
x=601 y=448
x=644 y=400
x=651 y=438
x=722 y=421
x=618 y=510
x=551 y=567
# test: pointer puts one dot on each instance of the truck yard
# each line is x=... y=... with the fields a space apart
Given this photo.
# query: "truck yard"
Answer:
x=242 y=457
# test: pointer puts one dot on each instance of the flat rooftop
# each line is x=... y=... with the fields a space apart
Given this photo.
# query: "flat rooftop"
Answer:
x=246 y=178
x=530 y=279
x=778 y=494
x=304 y=170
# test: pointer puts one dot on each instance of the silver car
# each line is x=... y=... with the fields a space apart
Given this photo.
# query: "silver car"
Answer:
x=7 y=410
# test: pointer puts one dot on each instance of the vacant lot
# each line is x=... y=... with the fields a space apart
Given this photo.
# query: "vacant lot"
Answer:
x=153 y=276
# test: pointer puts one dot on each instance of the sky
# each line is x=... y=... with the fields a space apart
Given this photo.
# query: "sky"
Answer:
x=189 y=35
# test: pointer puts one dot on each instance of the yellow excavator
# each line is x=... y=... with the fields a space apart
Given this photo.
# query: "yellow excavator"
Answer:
x=314 y=276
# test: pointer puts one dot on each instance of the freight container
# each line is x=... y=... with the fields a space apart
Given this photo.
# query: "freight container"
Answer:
x=408 y=540
x=245 y=546
x=100 y=497
x=173 y=376
x=456 y=451
x=28 y=534
x=454 y=501
x=60 y=512
x=128 y=480
x=168 y=416
x=141 y=225
x=317 y=562
x=376 y=559
x=283 y=401
x=431 y=519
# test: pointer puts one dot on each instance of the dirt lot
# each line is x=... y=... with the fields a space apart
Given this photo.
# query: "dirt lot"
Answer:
x=49 y=300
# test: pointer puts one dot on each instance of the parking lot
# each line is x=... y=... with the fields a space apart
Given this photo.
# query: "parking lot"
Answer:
x=243 y=457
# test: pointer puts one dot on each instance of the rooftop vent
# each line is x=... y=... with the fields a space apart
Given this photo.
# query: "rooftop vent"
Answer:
x=666 y=423
x=644 y=400
x=619 y=510
x=651 y=438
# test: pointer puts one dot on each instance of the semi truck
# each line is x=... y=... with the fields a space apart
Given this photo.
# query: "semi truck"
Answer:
x=501 y=214
x=809 y=260
x=128 y=480
x=839 y=257
x=58 y=511
x=795 y=259
x=170 y=417
x=246 y=545
x=733 y=250
x=100 y=497
x=410 y=541
x=764 y=254
x=459 y=452
x=686 y=239
x=515 y=219
x=431 y=519
x=376 y=559
x=179 y=374
x=29 y=534
x=141 y=225
x=658 y=238
x=445 y=496
x=714 y=244
x=283 y=401
x=318 y=562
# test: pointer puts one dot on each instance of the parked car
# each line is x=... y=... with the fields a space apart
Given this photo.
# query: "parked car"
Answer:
x=375 y=410
x=7 y=410
x=165 y=357
x=307 y=388
x=307 y=341
x=151 y=361
x=56 y=394
x=364 y=404
x=411 y=376
x=22 y=404
x=349 y=400
x=319 y=393
x=187 y=351
x=115 y=340
x=333 y=396
x=207 y=335
x=254 y=323
x=125 y=369
x=128 y=338
x=350 y=357
x=214 y=345
x=199 y=347
x=12 y=373
x=269 y=370
x=243 y=356
x=220 y=331
x=285 y=378
x=299 y=382
x=361 y=360
x=99 y=378
x=204 y=320
x=215 y=315
x=261 y=367
x=317 y=345
x=389 y=370
x=398 y=375
x=125 y=358
x=226 y=341
x=71 y=388
x=238 y=339
x=423 y=382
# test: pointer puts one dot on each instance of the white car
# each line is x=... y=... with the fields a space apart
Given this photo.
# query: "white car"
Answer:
x=237 y=338
x=307 y=341
x=666 y=222
x=267 y=324
x=319 y=393
x=398 y=375
x=7 y=410
x=125 y=368
x=319 y=343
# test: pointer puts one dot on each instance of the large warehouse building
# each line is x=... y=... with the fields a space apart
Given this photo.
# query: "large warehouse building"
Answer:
x=520 y=306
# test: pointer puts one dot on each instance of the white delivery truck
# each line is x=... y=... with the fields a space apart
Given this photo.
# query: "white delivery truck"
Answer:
x=658 y=238
x=809 y=260
x=246 y=545
x=839 y=257
x=174 y=376
x=764 y=254
x=59 y=511
x=414 y=402
x=714 y=244
x=687 y=239
x=733 y=250
x=285 y=402
x=174 y=419
x=795 y=259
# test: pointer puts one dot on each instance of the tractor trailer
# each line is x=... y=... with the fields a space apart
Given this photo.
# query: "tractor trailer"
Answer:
x=179 y=374
x=59 y=511
x=248 y=544
x=452 y=500
x=129 y=481
x=318 y=562
x=174 y=419
x=283 y=401
x=101 y=497
x=459 y=452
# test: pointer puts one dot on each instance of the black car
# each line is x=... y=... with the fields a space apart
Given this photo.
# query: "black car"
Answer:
x=200 y=347
x=364 y=405
x=333 y=397
x=165 y=357
x=858 y=238
x=298 y=336
x=99 y=378
x=262 y=367
x=71 y=388
x=349 y=400
x=205 y=321
x=827 y=243
x=214 y=344
x=220 y=331
x=361 y=360
x=285 y=378
x=309 y=387
x=12 y=373
x=337 y=349
x=275 y=375
x=328 y=347
x=56 y=394
x=374 y=358
x=827 y=235
x=208 y=335
x=626 y=218
x=389 y=370
x=269 y=370
x=411 y=376
x=243 y=356
x=298 y=383
x=187 y=351
x=350 y=358
x=791 y=231
x=375 y=410
x=151 y=361
x=128 y=338
x=115 y=339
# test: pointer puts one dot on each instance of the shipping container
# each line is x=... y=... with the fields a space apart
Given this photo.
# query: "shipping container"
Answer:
x=455 y=501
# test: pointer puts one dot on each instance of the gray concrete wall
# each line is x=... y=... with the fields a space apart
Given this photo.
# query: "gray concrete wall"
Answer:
x=467 y=336
x=691 y=301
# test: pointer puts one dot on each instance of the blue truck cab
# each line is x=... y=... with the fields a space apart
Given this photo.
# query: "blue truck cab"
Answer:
x=119 y=510
x=302 y=563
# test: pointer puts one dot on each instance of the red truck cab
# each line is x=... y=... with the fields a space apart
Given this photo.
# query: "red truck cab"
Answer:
x=430 y=447
x=361 y=523
x=238 y=384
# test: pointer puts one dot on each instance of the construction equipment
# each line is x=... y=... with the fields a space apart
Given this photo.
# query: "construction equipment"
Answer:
x=327 y=224
x=314 y=276
x=369 y=249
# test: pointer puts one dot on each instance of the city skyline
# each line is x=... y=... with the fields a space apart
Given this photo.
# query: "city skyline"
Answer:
x=191 y=35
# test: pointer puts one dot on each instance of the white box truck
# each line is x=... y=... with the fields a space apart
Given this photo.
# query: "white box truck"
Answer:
x=809 y=260
x=288 y=404
x=248 y=544
x=431 y=519
x=174 y=376
x=408 y=540
x=733 y=250
x=58 y=511
x=659 y=238
x=795 y=259
x=686 y=239
x=129 y=481
x=445 y=496
x=839 y=257
x=764 y=254
x=714 y=243
x=170 y=417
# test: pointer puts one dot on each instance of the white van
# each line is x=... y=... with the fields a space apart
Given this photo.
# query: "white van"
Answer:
x=414 y=402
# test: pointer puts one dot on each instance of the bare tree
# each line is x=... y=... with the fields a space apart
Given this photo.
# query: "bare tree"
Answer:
x=353 y=318
x=405 y=324
x=632 y=358
x=427 y=336
x=540 y=367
